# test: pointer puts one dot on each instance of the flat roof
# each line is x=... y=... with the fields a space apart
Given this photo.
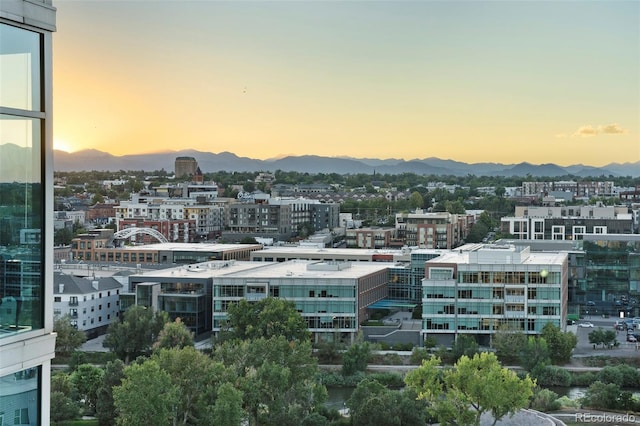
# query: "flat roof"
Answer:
x=313 y=269
x=262 y=270
x=314 y=250
x=202 y=270
x=198 y=247
x=533 y=258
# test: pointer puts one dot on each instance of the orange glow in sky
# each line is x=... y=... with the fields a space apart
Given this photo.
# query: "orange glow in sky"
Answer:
x=543 y=82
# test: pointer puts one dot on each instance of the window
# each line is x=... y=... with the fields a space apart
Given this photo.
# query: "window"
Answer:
x=22 y=123
x=57 y=299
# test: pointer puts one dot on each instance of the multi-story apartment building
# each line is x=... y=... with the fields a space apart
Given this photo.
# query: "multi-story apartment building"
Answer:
x=370 y=238
x=475 y=289
x=583 y=189
x=431 y=230
x=27 y=341
x=91 y=302
x=567 y=222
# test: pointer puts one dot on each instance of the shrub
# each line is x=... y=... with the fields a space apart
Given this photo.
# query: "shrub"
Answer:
x=630 y=376
x=544 y=400
x=611 y=375
x=550 y=375
x=392 y=359
x=419 y=354
x=582 y=379
x=390 y=380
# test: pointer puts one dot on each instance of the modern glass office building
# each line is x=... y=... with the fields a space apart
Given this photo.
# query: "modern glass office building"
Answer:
x=27 y=341
x=477 y=288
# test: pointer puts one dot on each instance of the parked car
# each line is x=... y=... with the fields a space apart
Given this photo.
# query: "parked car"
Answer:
x=619 y=325
x=586 y=324
x=591 y=303
x=631 y=338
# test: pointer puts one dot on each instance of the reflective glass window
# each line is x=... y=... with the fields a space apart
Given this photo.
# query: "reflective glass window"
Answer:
x=20 y=68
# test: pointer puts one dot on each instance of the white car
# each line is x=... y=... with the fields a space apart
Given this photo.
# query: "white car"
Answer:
x=586 y=324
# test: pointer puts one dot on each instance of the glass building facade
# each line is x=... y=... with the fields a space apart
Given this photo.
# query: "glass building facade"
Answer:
x=27 y=342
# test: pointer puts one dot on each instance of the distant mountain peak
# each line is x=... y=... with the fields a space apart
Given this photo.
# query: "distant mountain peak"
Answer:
x=92 y=159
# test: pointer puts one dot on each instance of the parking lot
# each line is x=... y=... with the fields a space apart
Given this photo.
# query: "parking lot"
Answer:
x=584 y=348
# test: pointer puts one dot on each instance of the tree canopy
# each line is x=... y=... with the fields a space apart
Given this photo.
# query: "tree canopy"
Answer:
x=135 y=335
x=69 y=338
x=472 y=387
x=263 y=319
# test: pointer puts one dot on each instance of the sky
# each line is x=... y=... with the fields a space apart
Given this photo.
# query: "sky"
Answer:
x=475 y=81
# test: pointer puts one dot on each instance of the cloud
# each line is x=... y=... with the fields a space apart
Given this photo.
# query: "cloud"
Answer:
x=612 y=129
x=590 y=131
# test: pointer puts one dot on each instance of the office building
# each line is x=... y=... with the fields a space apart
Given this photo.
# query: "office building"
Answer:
x=185 y=166
x=27 y=341
x=477 y=288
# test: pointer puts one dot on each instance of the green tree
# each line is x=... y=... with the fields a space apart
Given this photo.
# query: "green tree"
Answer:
x=227 y=410
x=105 y=406
x=560 y=343
x=415 y=200
x=464 y=345
x=174 y=335
x=372 y=404
x=265 y=318
x=63 y=407
x=87 y=379
x=278 y=378
x=535 y=353
x=135 y=335
x=69 y=338
x=602 y=337
x=472 y=387
x=195 y=377
x=146 y=396
x=356 y=358
x=508 y=343
x=607 y=396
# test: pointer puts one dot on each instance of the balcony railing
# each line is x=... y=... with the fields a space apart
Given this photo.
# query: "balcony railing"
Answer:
x=73 y=303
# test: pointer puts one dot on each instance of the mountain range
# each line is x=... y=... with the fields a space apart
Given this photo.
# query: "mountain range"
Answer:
x=88 y=160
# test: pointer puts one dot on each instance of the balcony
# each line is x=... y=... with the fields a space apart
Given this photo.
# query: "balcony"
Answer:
x=73 y=302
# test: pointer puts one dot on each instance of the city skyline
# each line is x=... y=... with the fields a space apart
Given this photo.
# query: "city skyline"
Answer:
x=509 y=82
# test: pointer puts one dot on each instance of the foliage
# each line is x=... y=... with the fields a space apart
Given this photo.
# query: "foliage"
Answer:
x=174 y=335
x=355 y=358
x=328 y=352
x=69 y=338
x=195 y=377
x=464 y=346
x=63 y=407
x=606 y=338
x=544 y=400
x=459 y=394
x=534 y=354
x=418 y=355
x=146 y=396
x=388 y=379
x=611 y=375
x=582 y=378
x=135 y=335
x=560 y=343
x=508 y=343
x=335 y=379
x=87 y=379
x=277 y=377
x=263 y=319
x=105 y=407
x=371 y=403
x=227 y=410
x=608 y=396
x=551 y=375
